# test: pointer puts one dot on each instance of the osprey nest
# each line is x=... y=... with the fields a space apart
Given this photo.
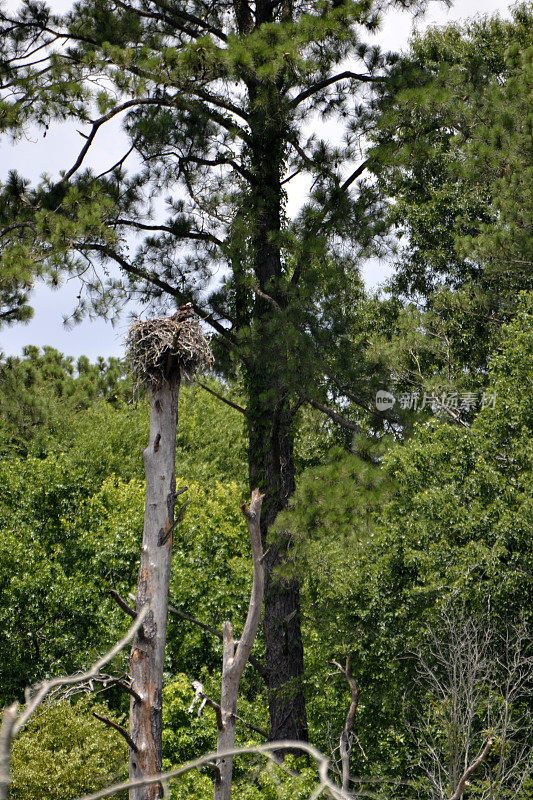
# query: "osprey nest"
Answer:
x=158 y=348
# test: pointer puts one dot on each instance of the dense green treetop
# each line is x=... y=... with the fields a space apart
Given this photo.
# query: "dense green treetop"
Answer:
x=452 y=148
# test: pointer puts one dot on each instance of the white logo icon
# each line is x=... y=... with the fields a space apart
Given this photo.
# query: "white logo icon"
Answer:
x=384 y=400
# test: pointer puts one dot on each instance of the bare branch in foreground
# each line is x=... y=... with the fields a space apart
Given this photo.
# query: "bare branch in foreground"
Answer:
x=268 y=750
x=9 y=719
x=470 y=770
x=44 y=688
x=13 y=722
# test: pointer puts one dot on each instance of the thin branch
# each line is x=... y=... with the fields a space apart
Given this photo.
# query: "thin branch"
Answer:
x=119 y=163
x=165 y=535
x=39 y=692
x=183 y=615
x=97 y=124
x=143 y=226
x=16 y=226
x=123 y=732
x=334 y=415
x=223 y=399
x=256 y=664
x=122 y=603
x=355 y=174
x=259 y=292
x=163 y=285
x=290 y=177
x=323 y=84
x=268 y=749
x=188 y=17
x=122 y=684
x=216 y=708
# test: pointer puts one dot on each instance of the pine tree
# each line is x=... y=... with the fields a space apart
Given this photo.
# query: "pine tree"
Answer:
x=452 y=147
x=215 y=99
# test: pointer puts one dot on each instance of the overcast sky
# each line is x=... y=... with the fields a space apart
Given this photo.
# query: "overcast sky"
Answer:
x=36 y=155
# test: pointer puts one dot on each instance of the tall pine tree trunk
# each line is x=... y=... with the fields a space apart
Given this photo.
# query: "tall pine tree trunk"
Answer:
x=271 y=466
x=148 y=653
x=270 y=457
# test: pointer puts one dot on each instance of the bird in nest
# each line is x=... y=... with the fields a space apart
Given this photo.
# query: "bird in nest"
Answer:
x=184 y=312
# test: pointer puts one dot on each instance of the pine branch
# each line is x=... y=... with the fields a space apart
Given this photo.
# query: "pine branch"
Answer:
x=199 y=235
x=130 y=269
x=230 y=403
x=355 y=174
x=334 y=415
x=323 y=84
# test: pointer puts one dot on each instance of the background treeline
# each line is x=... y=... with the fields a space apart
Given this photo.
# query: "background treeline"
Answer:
x=411 y=537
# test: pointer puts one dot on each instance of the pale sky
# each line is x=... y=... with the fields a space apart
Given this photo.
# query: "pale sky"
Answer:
x=36 y=155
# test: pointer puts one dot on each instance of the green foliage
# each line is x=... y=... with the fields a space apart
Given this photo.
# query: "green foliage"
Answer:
x=461 y=517
x=43 y=388
x=383 y=549
x=71 y=511
x=453 y=150
x=65 y=752
x=186 y=737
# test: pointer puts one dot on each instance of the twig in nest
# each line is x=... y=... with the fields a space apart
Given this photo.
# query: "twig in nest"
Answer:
x=158 y=347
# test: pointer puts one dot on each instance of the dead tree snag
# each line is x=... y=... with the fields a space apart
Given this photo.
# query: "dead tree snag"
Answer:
x=236 y=655
x=159 y=350
x=234 y=658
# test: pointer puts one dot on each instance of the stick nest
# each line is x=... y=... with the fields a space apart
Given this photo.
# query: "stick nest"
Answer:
x=158 y=348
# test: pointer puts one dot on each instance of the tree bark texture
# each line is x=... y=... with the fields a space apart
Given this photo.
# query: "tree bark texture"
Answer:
x=235 y=655
x=270 y=457
x=271 y=466
x=148 y=653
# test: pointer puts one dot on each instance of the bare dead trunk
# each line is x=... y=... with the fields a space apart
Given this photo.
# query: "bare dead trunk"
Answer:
x=235 y=655
x=148 y=653
x=9 y=719
x=346 y=740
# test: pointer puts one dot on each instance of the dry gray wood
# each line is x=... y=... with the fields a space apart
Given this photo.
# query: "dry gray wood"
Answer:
x=269 y=750
x=148 y=652
x=9 y=719
x=346 y=740
x=235 y=655
x=13 y=721
x=461 y=786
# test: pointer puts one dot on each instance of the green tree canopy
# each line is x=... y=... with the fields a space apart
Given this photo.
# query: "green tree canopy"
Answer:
x=453 y=149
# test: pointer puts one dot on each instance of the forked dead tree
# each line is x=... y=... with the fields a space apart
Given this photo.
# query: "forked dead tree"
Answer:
x=159 y=350
x=347 y=735
x=235 y=656
x=475 y=721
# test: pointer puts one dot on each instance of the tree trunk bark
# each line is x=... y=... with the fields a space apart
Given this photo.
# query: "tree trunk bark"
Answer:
x=270 y=458
x=272 y=468
x=148 y=653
